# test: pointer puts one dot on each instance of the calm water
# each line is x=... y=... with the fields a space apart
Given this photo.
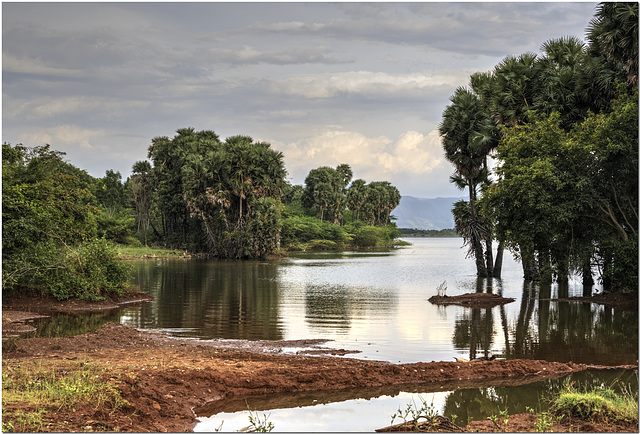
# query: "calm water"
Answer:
x=377 y=303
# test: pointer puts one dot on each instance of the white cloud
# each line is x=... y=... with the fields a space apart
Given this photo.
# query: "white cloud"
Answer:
x=65 y=136
x=367 y=83
x=371 y=158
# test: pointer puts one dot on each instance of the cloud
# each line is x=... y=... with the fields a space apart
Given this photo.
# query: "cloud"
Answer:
x=35 y=66
x=372 y=158
x=253 y=55
x=368 y=83
x=443 y=27
x=91 y=107
x=65 y=136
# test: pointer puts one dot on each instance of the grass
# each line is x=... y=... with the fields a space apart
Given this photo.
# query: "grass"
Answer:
x=31 y=391
x=597 y=404
x=127 y=252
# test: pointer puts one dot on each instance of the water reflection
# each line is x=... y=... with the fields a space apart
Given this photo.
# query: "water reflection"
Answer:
x=375 y=303
x=335 y=306
x=371 y=408
x=210 y=299
x=572 y=331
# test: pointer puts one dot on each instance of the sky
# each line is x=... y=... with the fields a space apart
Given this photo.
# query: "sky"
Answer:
x=324 y=83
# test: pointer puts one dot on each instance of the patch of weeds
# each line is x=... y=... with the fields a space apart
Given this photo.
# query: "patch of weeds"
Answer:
x=260 y=424
x=35 y=390
x=501 y=420
x=442 y=289
x=412 y=414
x=544 y=422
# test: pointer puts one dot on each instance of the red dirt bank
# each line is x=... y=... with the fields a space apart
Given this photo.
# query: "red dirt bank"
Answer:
x=164 y=378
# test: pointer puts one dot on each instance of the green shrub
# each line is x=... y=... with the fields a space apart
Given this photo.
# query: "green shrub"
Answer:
x=90 y=272
x=321 y=245
x=601 y=404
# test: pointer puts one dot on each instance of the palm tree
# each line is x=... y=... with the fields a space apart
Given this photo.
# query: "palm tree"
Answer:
x=468 y=135
x=558 y=82
x=513 y=89
x=614 y=33
x=357 y=195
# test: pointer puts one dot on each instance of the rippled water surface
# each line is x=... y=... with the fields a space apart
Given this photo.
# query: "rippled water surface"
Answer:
x=377 y=304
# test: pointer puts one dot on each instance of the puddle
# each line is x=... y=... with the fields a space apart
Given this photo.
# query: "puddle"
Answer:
x=360 y=410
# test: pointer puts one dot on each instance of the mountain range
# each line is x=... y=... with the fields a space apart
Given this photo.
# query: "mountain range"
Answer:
x=420 y=213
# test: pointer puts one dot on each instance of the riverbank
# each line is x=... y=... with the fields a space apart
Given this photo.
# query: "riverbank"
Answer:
x=151 y=382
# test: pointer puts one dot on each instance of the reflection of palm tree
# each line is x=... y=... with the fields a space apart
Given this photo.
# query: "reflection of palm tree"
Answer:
x=474 y=332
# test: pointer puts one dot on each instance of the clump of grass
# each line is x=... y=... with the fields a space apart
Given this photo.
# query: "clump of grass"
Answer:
x=127 y=252
x=30 y=391
x=598 y=404
x=442 y=289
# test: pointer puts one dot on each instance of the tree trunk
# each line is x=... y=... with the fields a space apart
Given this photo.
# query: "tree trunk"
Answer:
x=489 y=256
x=587 y=277
x=497 y=267
x=475 y=241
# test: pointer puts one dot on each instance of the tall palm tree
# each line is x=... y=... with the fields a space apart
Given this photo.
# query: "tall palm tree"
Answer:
x=614 y=33
x=468 y=135
x=558 y=82
x=513 y=88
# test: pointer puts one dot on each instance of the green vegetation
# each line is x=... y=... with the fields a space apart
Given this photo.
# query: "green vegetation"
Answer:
x=413 y=415
x=563 y=127
x=599 y=405
x=136 y=252
x=428 y=232
x=197 y=194
x=50 y=225
x=38 y=391
x=259 y=424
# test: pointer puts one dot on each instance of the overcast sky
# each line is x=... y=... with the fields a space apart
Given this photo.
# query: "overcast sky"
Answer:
x=325 y=83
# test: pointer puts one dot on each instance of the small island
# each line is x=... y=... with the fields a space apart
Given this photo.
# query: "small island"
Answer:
x=471 y=300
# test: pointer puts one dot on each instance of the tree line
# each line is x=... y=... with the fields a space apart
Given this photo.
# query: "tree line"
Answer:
x=227 y=199
x=563 y=129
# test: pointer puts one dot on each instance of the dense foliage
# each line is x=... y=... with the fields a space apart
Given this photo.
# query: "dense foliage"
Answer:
x=222 y=199
x=50 y=225
x=563 y=127
x=220 y=196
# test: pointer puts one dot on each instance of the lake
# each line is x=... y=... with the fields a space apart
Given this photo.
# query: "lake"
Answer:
x=376 y=303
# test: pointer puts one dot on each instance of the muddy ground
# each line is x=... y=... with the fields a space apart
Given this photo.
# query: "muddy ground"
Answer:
x=163 y=379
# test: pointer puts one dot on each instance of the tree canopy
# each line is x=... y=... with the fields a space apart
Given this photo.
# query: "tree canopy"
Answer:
x=563 y=128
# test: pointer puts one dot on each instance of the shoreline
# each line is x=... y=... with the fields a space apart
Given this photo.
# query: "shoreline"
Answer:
x=163 y=379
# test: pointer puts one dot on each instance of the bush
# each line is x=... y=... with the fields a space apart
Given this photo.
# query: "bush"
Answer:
x=601 y=404
x=89 y=272
x=299 y=229
x=373 y=236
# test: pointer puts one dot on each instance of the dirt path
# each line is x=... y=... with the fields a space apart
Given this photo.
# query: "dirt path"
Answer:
x=164 y=378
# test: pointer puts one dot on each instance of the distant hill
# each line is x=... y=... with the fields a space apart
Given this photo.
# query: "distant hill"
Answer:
x=419 y=213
